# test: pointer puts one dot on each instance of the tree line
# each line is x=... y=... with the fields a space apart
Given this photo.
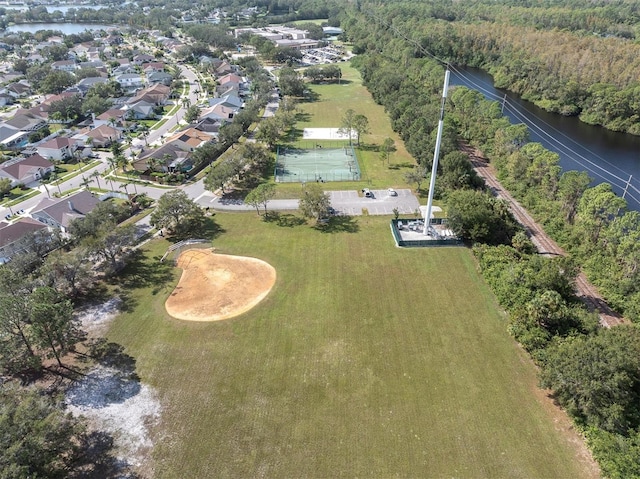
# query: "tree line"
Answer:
x=563 y=71
x=593 y=372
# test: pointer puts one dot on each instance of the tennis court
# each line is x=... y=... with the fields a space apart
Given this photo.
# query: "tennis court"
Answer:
x=319 y=163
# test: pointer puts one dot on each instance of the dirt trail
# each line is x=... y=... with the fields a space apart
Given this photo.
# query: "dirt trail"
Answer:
x=544 y=244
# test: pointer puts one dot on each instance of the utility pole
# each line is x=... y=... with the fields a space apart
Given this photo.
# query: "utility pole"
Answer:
x=436 y=154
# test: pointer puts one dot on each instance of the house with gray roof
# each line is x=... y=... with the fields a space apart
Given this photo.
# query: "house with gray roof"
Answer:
x=11 y=137
x=159 y=77
x=60 y=212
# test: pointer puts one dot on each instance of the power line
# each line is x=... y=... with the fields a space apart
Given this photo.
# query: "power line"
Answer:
x=524 y=118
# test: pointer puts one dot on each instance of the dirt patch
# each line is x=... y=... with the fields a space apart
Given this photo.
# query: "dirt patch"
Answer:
x=95 y=318
x=116 y=402
x=217 y=286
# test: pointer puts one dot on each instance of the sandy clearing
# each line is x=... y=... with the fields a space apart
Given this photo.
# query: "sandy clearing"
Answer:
x=214 y=287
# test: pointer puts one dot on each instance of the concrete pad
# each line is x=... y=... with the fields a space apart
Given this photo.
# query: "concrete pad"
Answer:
x=325 y=134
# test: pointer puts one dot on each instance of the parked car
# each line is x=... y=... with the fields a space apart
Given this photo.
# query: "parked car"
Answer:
x=367 y=193
x=392 y=192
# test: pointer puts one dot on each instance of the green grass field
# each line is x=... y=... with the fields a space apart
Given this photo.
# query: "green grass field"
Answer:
x=333 y=100
x=365 y=360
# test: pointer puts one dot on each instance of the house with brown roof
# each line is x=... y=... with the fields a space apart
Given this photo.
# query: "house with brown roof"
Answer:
x=190 y=139
x=58 y=148
x=14 y=237
x=25 y=170
x=60 y=212
x=103 y=136
x=18 y=89
x=153 y=67
x=113 y=117
x=157 y=94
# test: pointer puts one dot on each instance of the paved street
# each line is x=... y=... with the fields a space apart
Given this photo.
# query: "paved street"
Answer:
x=344 y=202
x=110 y=182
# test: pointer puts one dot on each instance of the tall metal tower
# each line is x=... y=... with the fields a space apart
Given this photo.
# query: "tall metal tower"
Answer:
x=436 y=154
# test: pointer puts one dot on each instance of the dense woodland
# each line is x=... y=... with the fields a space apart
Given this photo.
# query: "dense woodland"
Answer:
x=573 y=58
x=594 y=373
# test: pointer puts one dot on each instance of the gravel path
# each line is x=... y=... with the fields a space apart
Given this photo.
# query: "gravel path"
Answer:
x=544 y=244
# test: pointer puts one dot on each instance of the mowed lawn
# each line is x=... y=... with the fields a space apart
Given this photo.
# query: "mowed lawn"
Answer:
x=333 y=100
x=365 y=360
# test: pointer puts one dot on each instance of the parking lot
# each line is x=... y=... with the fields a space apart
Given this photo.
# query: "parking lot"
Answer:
x=382 y=203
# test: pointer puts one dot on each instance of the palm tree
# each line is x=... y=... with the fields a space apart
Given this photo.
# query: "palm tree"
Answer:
x=144 y=131
x=85 y=182
x=96 y=175
x=186 y=103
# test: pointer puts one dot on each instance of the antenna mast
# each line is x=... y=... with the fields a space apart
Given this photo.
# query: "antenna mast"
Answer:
x=436 y=154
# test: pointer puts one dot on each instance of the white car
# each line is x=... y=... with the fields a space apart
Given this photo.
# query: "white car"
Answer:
x=392 y=192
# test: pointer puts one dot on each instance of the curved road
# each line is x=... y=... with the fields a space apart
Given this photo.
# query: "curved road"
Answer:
x=544 y=244
x=117 y=185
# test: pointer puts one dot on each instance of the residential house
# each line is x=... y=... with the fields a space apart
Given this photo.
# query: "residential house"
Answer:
x=11 y=138
x=141 y=110
x=156 y=94
x=167 y=158
x=114 y=39
x=161 y=78
x=14 y=237
x=19 y=89
x=213 y=116
x=103 y=136
x=68 y=66
x=153 y=67
x=224 y=108
x=5 y=99
x=230 y=84
x=58 y=148
x=113 y=117
x=81 y=49
x=10 y=76
x=35 y=58
x=60 y=212
x=99 y=65
x=25 y=170
x=93 y=53
x=124 y=70
x=26 y=122
x=231 y=101
x=45 y=105
x=142 y=58
x=86 y=83
x=190 y=139
x=130 y=81
x=209 y=125
x=224 y=68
